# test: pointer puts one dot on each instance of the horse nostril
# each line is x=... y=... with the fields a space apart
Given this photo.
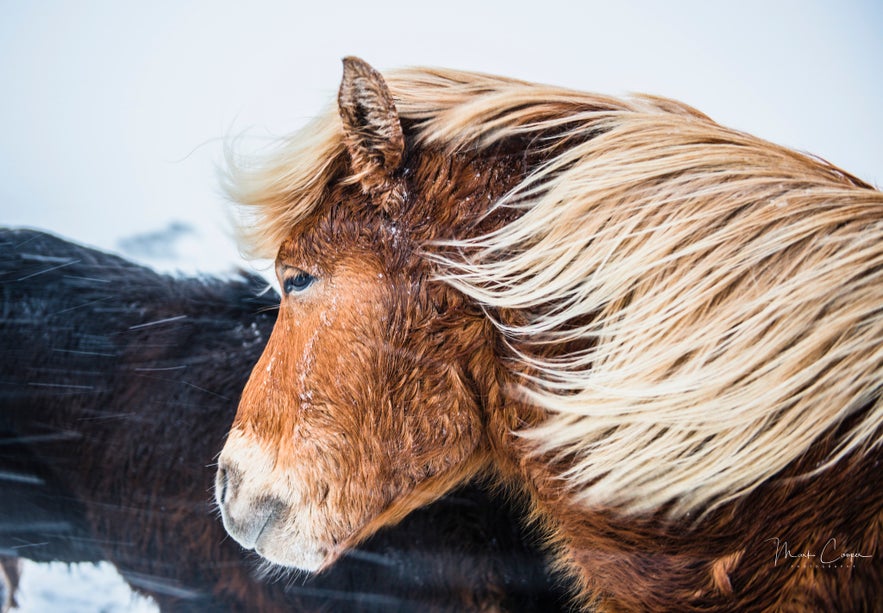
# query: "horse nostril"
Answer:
x=225 y=484
x=221 y=485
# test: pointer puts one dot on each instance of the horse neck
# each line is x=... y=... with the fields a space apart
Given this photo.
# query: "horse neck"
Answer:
x=602 y=550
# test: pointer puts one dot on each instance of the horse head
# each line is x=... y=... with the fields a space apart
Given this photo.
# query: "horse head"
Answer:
x=365 y=403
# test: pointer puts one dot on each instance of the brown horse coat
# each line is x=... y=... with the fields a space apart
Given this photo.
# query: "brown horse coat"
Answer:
x=667 y=335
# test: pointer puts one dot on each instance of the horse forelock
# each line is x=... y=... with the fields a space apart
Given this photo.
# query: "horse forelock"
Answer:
x=718 y=295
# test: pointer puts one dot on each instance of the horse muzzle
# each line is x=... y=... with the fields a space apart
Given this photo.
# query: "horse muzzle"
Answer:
x=262 y=511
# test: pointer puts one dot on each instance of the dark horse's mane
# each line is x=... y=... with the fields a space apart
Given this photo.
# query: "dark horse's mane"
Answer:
x=117 y=387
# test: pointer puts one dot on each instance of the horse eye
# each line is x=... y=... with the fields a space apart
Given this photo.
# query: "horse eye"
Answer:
x=298 y=282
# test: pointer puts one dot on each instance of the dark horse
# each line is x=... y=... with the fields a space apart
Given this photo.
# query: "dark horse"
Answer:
x=117 y=386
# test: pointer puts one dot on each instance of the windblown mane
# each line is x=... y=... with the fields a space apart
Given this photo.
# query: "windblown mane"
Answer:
x=724 y=292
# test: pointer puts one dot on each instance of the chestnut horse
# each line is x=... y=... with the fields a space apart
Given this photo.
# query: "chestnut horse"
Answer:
x=666 y=335
x=117 y=387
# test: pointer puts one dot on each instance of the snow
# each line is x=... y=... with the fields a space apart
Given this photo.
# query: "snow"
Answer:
x=77 y=588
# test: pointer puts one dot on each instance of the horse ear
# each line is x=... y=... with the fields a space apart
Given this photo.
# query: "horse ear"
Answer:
x=371 y=127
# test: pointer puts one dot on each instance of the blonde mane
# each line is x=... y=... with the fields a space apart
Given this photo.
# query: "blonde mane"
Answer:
x=728 y=292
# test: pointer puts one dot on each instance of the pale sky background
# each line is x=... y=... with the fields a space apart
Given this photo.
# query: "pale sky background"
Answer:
x=112 y=114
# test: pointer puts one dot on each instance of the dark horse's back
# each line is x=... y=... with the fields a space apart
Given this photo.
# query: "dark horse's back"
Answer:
x=117 y=387
x=116 y=383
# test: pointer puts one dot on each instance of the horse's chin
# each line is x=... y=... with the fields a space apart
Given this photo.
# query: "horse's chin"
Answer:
x=279 y=541
x=293 y=553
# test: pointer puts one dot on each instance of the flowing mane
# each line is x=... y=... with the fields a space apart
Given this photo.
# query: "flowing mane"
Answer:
x=665 y=336
x=456 y=110
x=661 y=245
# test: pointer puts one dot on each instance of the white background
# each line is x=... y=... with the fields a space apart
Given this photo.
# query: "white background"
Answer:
x=113 y=114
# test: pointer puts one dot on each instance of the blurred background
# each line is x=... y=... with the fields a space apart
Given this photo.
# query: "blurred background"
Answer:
x=113 y=115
